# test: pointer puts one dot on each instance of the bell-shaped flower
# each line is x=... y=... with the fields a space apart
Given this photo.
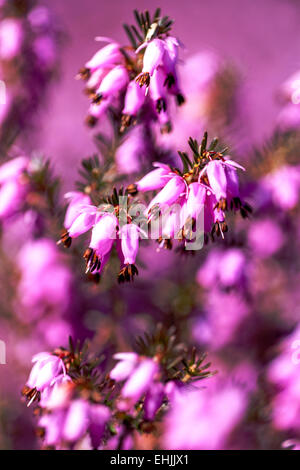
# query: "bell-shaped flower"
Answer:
x=115 y=81
x=108 y=56
x=46 y=368
x=127 y=364
x=83 y=222
x=158 y=91
x=155 y=179
x=134 y=99
x=170 y=58
x=174 y=188
x=153 y=57
x=140 y=380
x=76 y=420
x=13 y=168
x=129 y=235
x=104 y=234
x=76 y=200
x=12 y=194
x=195 y=200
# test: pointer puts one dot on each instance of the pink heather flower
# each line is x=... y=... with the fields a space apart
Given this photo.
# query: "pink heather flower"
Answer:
x=133 y=151
x=76 y=200
x=157 y=89
x=156 y=179
x=171 y=54
x=153 y=56
x=104 y=234
x=13 y=169
x=139 y=374
x=11 y=37
x=83 y=222
x=195 y=200
x=226 y=267
x=45 y=283
x=129 y=235
x=283 y=185
x=265 y=237
x=108 y=56
x=70 y=423
x=12 y=188
x=204 y=419
x=46 y=368
x=219 y=176
x=134 y=99
x=171 y=192
x=115 y=81
x=224 y=314
x=125 y=367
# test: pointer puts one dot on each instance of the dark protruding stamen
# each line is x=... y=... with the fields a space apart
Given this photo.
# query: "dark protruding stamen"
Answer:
x=180 y=99
x=143 y=79
x=65 y=239
x=126 y=121
x=127 y=273
x=83 y=74
x=132 y=189
x=91 y=121
x=161 y=105
x=170 y=80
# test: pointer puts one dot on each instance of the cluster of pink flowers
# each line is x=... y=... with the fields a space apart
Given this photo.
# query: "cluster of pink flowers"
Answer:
x=106 y=231
x=208 y=188
x=28 y=59
x=64 y=419
x=143 y=78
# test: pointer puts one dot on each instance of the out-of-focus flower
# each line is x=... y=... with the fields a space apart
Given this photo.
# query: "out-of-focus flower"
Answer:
x=13 y=186
x=47 y=367
x=224 y=267
x=11 y=38
x=281 y=186
x=137 y=372
x=45 y=284
x=283 y=371
x=265 y=237
x=204 y=419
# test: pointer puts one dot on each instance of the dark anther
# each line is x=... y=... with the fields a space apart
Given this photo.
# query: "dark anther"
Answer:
x=65 y=239
x=91 y=121
x=180 y=99
x=161 y=105
x=96 y=98
x=143 y=79
x=132 y=189
x=84 y=74
x=127 y=273
x=126 y=121
x=170 y=80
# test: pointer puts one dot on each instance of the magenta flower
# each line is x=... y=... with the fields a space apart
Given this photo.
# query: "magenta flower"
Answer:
x=76 y=202
x=173 y=190
x=11 y=38
x=45 y=370
x=138 y=373
x=115 y=81
x=219 y=174
x=106 y=57
x=153 y=57
x=13 y=187
x=134 y=99
x=156 y=179
x=204 y=419
x=103 y=236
